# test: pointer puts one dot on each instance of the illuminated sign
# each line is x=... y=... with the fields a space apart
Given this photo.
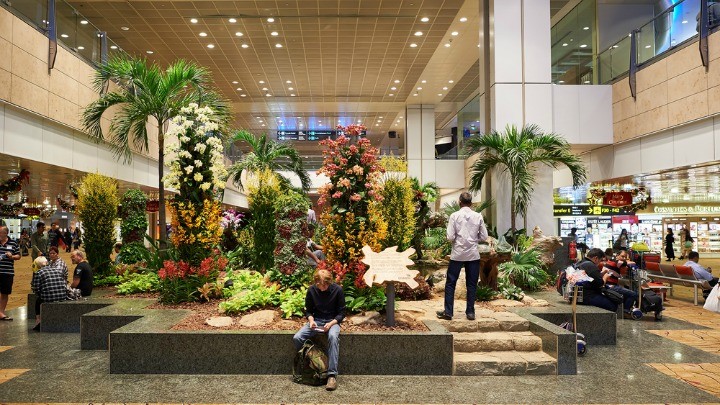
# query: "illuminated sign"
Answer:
x=696 y=209
x=310 y=135
x=588 y=210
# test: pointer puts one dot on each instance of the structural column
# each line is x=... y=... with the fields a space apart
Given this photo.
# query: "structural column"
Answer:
x=515 y=66
x=420 y=141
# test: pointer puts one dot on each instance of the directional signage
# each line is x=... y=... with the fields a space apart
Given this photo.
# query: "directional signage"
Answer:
x=310 y=135
x=588 y=210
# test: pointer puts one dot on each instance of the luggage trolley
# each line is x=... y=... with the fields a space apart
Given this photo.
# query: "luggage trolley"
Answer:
x=649 y=300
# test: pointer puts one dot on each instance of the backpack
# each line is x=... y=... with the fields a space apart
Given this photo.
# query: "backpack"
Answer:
x=572 y=251
x=310 y=365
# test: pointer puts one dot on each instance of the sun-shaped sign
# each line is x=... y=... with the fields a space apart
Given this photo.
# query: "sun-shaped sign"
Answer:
x=389 y=265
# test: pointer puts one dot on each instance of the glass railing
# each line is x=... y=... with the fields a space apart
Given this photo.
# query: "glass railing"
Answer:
x=668 y=30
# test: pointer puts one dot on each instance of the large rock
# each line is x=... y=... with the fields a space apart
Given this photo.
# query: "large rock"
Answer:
x=258 y=318
x=506 y=303
x=460 y=288
x=369 y=317
x=219 y=321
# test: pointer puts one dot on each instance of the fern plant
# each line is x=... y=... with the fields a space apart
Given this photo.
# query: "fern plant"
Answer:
x=525 y=270
x=485 y=293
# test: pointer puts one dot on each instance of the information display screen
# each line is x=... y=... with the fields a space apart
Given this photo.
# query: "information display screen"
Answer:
x=310 y=135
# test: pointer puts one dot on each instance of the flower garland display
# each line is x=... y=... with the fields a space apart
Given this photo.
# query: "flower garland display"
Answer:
x=198 y=172
x=65 y=205
x=351 y=213
x=291 y=236
x=14 y=184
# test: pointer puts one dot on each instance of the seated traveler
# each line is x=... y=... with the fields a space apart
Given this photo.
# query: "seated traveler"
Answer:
x=701 y=273
x=313 y=251
x=592 y=290
x=49 y=285
x=83 y=275
x=55 y=261
x=611 y=276
x=325 y=308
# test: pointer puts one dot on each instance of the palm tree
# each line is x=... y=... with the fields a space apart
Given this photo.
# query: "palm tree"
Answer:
x=518 y=151
x=267 y=154
x=145 y=91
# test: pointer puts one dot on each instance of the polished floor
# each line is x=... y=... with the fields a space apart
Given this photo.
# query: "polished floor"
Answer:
x=674 y=361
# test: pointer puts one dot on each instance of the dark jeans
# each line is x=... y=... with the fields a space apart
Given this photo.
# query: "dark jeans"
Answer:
x=600 y=301
x=472 y=273
x=333 y=336
x=630 y=297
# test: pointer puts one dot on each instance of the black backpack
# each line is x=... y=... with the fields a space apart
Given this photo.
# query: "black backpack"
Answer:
x=310 y=365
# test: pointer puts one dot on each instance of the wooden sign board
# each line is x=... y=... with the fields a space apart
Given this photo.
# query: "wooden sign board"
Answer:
x=388 y=266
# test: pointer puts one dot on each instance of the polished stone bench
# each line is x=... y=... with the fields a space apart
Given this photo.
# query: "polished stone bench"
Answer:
x=65 y=316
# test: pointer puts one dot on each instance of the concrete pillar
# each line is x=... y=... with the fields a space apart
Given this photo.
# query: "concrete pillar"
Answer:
x=515 y=35
x=420 y=141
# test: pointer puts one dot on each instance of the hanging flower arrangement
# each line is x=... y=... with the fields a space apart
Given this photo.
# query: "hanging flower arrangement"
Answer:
x=14 y=184
x=350 y=204
x=65 y=205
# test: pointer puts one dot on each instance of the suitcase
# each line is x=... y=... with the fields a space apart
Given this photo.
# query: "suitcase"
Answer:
x=652 y=302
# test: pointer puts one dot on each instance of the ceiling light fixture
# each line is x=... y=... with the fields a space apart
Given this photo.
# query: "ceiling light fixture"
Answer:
x=81 y=47
x=565 y=44
x=278 y=45
x=232 y=20
x=447 y=45
x=203 y=34
x=423 y=81
x=125 y=28
x=415 y=95
x=393 y=88
x=454 y=33
x=64 y=35
x=293 y=95
x=445 y=88
x=419 y=88
x=274 y=33
x=84 y=22
x=439 y=94
x=113 y=46
x=396 y=81
x=239 y=34
x=451 y=81
x=211 y=46
x=268 y=95
x=418 y=33
x=413 y=45
x=583 y=46
x=194 y=20
x=647 y=46
x=586 y=28
x=424 y=19
x=242 y=95
x=265 y=89
x=149 y=52
x=390 y=94
x=238 y=89
x=463 y=19
x=234 y=82
x=262 y=82
x=244 y=46
x=270 y=19
x=290 y=88
x=288 y=81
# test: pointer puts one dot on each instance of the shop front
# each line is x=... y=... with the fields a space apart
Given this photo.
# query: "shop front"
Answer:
x=702 y=220
x=597 y=225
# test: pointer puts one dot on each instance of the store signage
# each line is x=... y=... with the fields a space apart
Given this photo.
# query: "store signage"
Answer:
x=588 y=210
x=617 y=198
x=31 y=211
x=152 y=206
x=695 y=209
x=310 y=135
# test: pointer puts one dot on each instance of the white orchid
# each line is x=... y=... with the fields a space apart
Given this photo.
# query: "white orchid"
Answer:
x=189 y=169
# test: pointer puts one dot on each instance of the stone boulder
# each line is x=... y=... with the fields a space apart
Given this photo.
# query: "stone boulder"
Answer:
x=506 y=303
x=258 y=318
x=368 y=317
x=219 y=321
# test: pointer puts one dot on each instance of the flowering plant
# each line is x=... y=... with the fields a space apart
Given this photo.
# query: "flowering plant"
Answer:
x=196 y=228
x=291 y=236
x=198 y=156
x=350 y=204
x=180 y=281
x=232 y=219
x=352 y=129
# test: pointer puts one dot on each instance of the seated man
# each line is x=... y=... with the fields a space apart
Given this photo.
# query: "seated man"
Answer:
x=313 y=251
x=592 y=290
x=83 y=274
x=611 y=276
x=117 y=249
x=701 y=273
x=325 y=308
x=49 y=285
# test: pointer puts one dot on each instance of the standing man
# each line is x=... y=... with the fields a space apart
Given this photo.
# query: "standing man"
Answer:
x=325 y=309
x=465 y=229
x=54 y=235
x=39 y=241
x=83 y=274
x=9 y=252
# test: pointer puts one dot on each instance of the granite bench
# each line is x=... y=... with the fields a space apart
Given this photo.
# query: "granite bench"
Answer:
x=64 y=316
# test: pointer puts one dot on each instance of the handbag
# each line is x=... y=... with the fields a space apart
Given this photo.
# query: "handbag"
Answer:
x=613 y=295
x=688 y=244
x=712 y=302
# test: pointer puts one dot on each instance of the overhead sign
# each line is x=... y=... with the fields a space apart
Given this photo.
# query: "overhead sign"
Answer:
x=588 y=210
x=310 y=135
x=692 y=209
x=617 y=198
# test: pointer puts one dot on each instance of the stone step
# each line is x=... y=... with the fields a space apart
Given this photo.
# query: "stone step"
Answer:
x=500 y=321
x=496 y=341
x=504 y=363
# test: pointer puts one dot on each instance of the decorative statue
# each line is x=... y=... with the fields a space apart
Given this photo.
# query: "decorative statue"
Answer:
x=546 y=245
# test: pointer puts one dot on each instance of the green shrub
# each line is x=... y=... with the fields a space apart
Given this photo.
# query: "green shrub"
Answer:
x=508 y=290
x=398 y=209
x=525 y=270
x=485 y=293
x=104 y=281
x=134 y=252
x=364 y=299
x=292 y=302
x=291 y=234
x=138 y=283
x=261 y=197
x=97 y=208
x=134 y=219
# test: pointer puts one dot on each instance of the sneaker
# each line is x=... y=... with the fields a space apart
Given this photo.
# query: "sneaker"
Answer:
x=331 y=384
x=443 y=315
x=470 y=317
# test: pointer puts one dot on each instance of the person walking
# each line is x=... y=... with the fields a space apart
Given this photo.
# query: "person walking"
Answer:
x=465 y=229
x=669 y=240
x=39 y=241
x=9 y=253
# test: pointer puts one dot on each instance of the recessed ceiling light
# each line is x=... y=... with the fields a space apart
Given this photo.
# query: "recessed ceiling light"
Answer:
x=586 y=28
x=447 y=45
x=290 y=88
x=393 y=88
x=379 y=120
x=234 y=82
x=64 y=35
x=265 y=89
x=262 y=82
x=242 y=95
x=463 y=19
x=274 y=33
x=413 y=45
x=270 y=19
x=278 y=45
x=193 y=20
x=113 y=46
x=415 y=95
x=379 y=117
x=454 y=33
x=451 y=81
x=647 y=46
x=423 y=81
x=401 y=116
x=445 y=88
x=211 y=46
x=81 y=47
x=262 y=125
x=396 y=81
x=244 y=46
x=424 y=19
x=390 y=94
x=583 y=46
x=565 y=44
x=293 y=95
x=232 y=20
x=268 y=95
x=288 y=81
x=125 y=28
x=203 y=34
x=439 y=94
x=419 y=88
x=84 y=22
x=418 y=33
x=377 y=125
x=239 y=34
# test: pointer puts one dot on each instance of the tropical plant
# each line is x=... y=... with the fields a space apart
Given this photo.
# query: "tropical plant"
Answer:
x=267 y=154
x=291 y=236
x=519 y=152
x=485 y=293
x=242 y=256
x=351 y=199
x=97 y=208
x=138 y=283
x=398 y=208
x=182 y=282
x=424 y=195
x=134 y=220
x=133 y=252
x=263 y=190
x=144 y=91
x=525 y=270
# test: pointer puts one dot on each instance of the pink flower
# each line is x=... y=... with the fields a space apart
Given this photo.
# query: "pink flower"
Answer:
x=355 y=197
x=337 y=194
x=345 y=182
